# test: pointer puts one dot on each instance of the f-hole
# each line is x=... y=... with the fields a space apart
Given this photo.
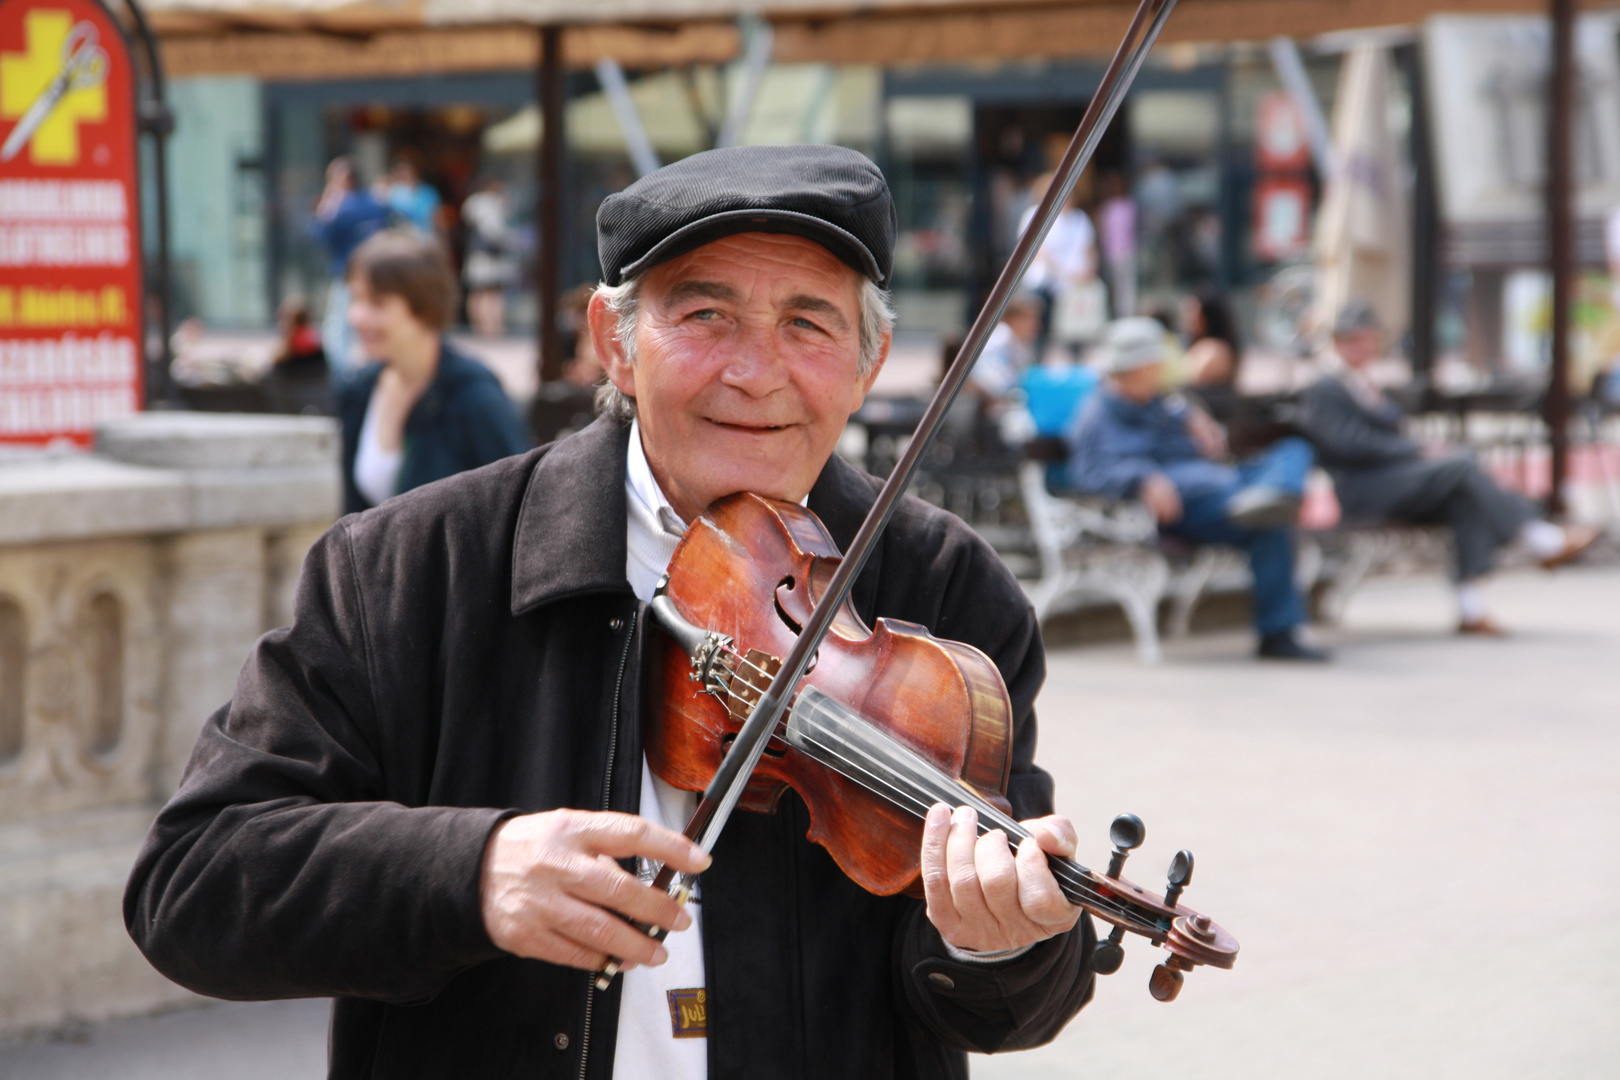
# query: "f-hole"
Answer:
x=781 y=612
x=789 y=621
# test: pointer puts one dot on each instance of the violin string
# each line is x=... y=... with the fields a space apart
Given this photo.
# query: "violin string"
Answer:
x=919 y=804
x=1062 y=869
x=910 y=801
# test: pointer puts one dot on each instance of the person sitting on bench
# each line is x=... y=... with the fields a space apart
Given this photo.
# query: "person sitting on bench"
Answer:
x=1132 y=441
x=1380 y=475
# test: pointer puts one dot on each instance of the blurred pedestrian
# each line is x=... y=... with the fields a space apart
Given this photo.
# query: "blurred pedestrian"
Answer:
x=344 y=217
x=423 y=411
x=1213 y=363
x=490 y=267
x=1611 y=243
x=1133 y=441
x=1214 y=351
x=413 y=199
x=1381 y=475
x=297 y=381
x=1064 y=272
x=1007 y=353
x=1116 y=220
x=299 y=353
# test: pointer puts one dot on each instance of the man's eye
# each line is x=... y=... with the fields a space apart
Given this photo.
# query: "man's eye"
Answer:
x=804 y=324
x=705 y=315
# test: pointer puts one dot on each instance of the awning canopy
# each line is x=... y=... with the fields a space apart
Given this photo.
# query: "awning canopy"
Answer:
x=332 y=38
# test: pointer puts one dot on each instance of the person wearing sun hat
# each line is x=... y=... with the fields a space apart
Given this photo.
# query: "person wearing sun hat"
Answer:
x=428 y=797
x=1131 y=441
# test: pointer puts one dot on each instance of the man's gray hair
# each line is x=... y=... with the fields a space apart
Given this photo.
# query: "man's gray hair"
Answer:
x=624 y=301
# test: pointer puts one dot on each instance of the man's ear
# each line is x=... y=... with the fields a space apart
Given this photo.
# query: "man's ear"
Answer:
x=604 y=328
x=870 y=377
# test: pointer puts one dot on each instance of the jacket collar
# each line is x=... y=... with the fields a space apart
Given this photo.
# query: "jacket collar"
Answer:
x=570 y=536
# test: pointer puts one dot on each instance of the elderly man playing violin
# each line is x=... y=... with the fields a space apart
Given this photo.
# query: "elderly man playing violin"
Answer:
x=428 y=798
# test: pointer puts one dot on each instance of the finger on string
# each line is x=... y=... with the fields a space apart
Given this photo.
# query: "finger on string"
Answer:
x=1039 y=898
x=935 y=876
x=998 y=880
x=1055 y=833
x=966 y=894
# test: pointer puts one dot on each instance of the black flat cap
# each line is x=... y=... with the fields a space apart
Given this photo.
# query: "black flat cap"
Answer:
x=828 y=194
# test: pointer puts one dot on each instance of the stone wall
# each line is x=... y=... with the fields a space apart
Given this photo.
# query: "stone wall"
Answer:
x=133 y=582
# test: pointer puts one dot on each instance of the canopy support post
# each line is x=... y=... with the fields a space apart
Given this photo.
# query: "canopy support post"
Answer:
x=549 y=220
x=1560 y=241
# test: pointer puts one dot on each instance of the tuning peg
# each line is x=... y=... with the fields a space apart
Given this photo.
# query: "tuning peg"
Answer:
x=1181 y=868
x=1126 y=833
x=1165 y=982
x=1109 y=955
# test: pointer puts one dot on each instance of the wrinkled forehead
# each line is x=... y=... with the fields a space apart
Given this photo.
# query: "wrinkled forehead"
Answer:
x=757 y=268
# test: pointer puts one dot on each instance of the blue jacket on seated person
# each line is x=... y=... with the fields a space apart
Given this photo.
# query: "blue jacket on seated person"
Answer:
x=1115 y=444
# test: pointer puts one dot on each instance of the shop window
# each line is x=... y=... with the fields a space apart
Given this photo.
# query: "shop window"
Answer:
x=13 y=654
x=104 y=650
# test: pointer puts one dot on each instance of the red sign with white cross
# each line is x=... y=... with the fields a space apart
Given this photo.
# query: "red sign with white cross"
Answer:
x=70 y=253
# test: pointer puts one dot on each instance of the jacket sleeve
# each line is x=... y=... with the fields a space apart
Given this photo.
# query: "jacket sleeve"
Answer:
x=281 y=868
x=1096 y=465
x=1343 y=433
x=1024 y=1001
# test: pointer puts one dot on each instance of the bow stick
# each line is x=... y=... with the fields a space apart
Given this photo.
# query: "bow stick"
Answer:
x=731 y=778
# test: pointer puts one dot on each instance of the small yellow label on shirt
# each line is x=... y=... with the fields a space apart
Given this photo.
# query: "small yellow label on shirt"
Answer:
x=688 y=1013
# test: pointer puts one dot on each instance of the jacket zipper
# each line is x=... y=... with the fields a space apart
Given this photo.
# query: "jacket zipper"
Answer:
x=607 y=798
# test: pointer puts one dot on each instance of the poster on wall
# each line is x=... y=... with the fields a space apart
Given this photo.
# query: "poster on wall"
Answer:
x=1487 y=77
x=70 y=253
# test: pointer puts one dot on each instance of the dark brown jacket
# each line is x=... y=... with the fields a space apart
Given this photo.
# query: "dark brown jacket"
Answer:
x=471 y=650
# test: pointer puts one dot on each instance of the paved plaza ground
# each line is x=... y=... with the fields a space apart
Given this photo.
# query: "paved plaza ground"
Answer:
x=1418 y=847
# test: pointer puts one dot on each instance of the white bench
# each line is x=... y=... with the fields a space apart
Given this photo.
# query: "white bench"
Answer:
x=1095 y=548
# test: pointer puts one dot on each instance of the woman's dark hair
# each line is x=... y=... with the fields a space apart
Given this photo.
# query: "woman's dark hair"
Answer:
x=411 y=267
x=1219 y=322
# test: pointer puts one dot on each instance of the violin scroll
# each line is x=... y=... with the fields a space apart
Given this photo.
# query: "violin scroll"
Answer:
x=1191 y=937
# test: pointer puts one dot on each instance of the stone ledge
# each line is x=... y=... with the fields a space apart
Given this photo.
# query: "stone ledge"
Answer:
x=187 y=440
x=72 y=498
x=175 y=472
x=231 y=498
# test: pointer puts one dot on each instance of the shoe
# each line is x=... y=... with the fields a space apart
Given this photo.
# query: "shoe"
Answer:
x=1484 y=626
x=1263 y=508
x=1577 y=538
x=1286 y=645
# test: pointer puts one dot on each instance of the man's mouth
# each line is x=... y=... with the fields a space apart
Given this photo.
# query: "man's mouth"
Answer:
x=749 y=428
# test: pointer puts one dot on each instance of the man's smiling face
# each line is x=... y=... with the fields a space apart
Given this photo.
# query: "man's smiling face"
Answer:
x=745 y=366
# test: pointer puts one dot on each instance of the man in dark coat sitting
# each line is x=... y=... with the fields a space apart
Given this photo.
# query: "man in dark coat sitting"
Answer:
x=1381 y=475
x=419 y=797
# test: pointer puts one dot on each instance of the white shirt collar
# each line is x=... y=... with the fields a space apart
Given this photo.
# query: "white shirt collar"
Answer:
x=653 y=528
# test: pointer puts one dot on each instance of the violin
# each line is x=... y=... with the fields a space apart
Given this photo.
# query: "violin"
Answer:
x=886 y=722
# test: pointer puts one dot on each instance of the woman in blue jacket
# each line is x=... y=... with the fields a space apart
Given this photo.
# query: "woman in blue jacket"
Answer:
x=423 y=411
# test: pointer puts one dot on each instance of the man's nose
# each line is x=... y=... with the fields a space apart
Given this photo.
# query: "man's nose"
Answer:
x=758 y=365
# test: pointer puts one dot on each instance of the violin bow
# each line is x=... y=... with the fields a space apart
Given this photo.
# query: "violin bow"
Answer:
x=737 y=767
